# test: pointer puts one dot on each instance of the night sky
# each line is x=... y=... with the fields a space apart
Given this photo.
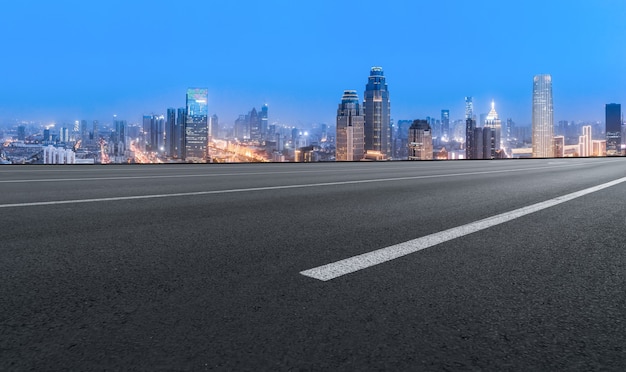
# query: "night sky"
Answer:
x=68 y=60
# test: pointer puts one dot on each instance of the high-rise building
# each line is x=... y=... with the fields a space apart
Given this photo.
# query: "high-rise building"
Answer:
x=181 y=118
x=469 y=108
x=420 y=141
x=350 y=128
x=477 y=148
x=445 y=124
x=492 y=121
x=264 y=115
x=21 y=133
x=170 y=133
x=613 y=122
x=376 y=107
x=489 y=143
x=543 y=117
x=95 y=134
x=196 y=125
x=214 y=127
x=470 y=139
x=585 y=144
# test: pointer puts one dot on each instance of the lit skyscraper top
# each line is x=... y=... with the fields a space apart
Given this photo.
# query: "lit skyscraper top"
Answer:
x=350 y=136
x=543 y=117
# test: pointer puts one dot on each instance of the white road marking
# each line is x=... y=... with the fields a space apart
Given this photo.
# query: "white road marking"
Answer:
x=139 y=197
x=366 y=260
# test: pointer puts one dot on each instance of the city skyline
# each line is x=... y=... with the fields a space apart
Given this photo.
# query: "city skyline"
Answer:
x=81 y=67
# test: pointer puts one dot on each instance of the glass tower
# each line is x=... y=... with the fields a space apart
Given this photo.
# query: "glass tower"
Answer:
x=613 y=129
x=196 y=125
x=376 y=108
x=543 y=117
x=350 y=128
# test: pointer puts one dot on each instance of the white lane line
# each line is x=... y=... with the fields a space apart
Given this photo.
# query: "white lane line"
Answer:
x=138 y=197
x=366 y=260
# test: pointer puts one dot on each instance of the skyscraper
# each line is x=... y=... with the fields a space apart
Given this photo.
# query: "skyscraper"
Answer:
x=420 y=141
x=445 y=124
x=543 y=117
x=376 y=107
x=492 y=121
x=613 y=122
x=181 y=117
x=350 y=128
x=196 y=125
x=470 y=130
x=469 y=108
x=170 y=133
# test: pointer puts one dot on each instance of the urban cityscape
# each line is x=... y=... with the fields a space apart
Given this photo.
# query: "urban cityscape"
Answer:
x=363 y=131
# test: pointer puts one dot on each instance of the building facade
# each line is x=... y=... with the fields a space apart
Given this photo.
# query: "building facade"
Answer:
x=543 y=117
x=613 y=122
x=376 y=107
x=196 y=126
x=420 y=141
x=350 y=139
x=493 y=121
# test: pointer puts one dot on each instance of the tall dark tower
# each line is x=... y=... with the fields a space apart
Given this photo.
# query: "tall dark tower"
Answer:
x=613 y=129
x=376 y=108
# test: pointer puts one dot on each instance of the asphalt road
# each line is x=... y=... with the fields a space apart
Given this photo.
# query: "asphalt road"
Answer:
x=198 y=267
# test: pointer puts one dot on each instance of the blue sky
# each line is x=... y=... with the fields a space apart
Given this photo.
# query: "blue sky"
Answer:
x=68 y=60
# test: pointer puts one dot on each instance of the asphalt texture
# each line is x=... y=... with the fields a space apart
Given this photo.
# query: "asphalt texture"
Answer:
x=211 y=281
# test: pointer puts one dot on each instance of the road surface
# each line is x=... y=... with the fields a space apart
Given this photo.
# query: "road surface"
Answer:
x=213 y=267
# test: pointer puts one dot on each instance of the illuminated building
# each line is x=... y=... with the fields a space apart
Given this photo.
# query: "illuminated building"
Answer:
x=196 y=125
x=492 y=121
x=584 y=142
x=559 y=146
x=214 y=127
x=445 y=124
x=376 y=108
x=543 y=117
x=489 y=143
x=599 y=148
x=470 y=140
x=263 y=116
x=420 y=141
x=613 y=122
x=350 y=128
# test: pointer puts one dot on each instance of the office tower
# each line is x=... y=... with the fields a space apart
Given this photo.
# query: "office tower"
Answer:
x=84 y=132
x=445 y=124
x=469 y=108
x=509 y=129
x=170 y=133
x=350 y=128
x=543 y=117
x=181 y=117
x=254 y=121
x=214 y=127
x=477 y=150
x=154 y=133
x=196 y=125
x=64 y=134
x=492 y=121
x=119 y=143
x=376 y=107
x=613 y=112
x=559 y=146
x=94 y=134
x=264 y=115
x=47 y=137
x=420 y=141
x=489 y=143
x=470 y=140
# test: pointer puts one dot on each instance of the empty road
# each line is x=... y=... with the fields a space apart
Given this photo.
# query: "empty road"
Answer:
x=460 y=265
